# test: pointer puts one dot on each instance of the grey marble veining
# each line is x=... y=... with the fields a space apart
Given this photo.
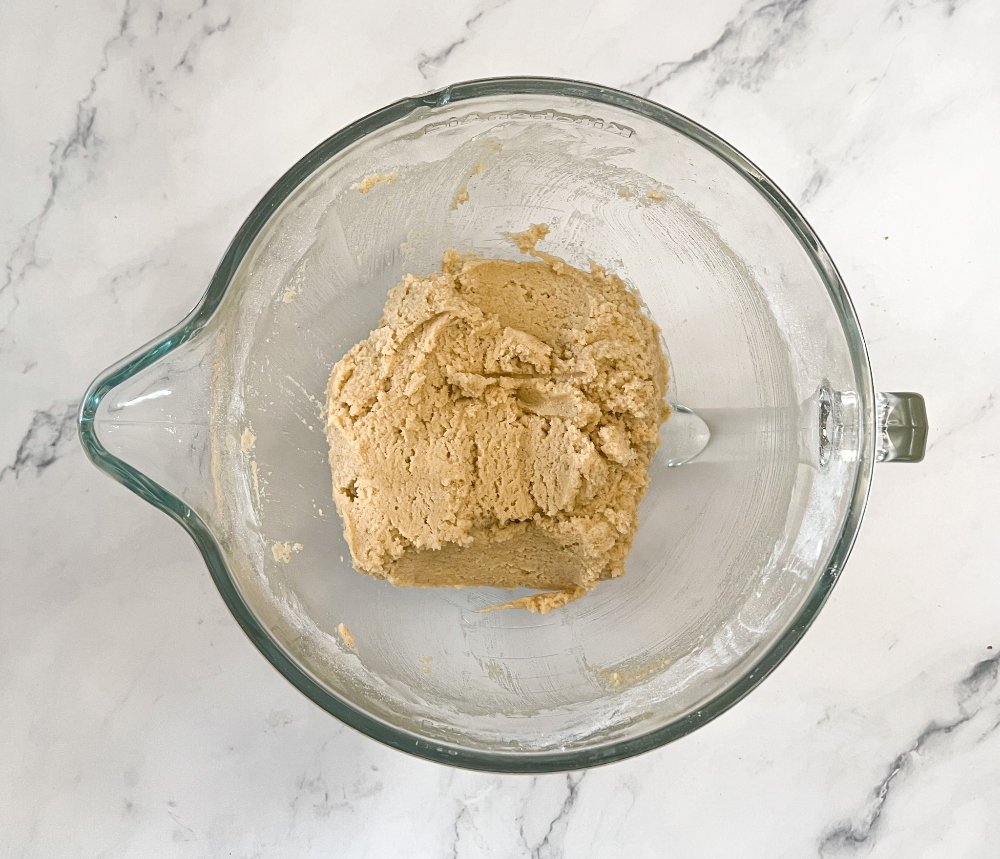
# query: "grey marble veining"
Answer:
x=134 y=138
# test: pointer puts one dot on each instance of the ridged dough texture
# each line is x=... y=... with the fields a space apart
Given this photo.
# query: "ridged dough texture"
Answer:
x=497 y=427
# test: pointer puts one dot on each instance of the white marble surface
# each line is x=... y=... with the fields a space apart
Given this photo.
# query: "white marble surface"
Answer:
x=138 y=720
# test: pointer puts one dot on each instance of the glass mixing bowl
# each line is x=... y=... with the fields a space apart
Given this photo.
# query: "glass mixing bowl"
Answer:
x=220 y=424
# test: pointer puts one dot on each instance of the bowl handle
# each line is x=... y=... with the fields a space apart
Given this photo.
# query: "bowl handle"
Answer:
x=901 y=425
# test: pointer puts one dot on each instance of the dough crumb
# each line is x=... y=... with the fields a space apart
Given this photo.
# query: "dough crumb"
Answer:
x=656 y=196
x=625 y=193
x=462 y=194
x=247 y=440
x=346 y=636
x=373 y=179
x=527 y=239
x=282 y=552
x=497 y=427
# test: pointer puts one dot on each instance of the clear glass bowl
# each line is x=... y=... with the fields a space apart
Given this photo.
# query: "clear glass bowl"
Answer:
x=219 y=423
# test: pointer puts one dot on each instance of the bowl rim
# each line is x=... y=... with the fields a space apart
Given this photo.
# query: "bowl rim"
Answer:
x=493 y=761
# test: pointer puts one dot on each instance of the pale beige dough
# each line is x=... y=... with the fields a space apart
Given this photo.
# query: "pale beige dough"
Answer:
x=346 y=636
x=497 y=427
x=282 y=552
x=373 y=179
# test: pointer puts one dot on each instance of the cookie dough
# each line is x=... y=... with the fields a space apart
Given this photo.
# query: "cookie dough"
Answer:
x=496 y=428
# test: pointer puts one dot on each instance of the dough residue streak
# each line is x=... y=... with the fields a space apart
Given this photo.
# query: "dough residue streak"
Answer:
x=373 y=179
x=282 y=552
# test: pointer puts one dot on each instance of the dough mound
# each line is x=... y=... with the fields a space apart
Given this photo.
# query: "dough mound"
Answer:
x=497 y=427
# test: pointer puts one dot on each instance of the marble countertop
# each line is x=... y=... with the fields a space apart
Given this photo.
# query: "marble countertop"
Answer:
x=138 y=720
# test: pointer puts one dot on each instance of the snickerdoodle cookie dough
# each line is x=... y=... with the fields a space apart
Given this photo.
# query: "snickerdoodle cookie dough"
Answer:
x=497 y=427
